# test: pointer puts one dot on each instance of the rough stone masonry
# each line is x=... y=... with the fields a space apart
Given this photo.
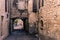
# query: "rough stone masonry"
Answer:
x=50 y=16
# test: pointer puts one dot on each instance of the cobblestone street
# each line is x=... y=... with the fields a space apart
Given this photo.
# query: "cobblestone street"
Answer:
x=21 y=35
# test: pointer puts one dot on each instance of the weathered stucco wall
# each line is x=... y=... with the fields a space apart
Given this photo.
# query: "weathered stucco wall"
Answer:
x=30 y=5
x=50 y=16
x=3 y=21
x=32 y=17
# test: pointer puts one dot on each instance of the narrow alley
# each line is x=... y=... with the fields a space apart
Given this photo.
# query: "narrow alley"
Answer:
x=21 y=35
x=29 y=19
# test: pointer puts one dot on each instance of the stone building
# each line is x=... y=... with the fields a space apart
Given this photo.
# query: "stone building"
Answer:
x=49 y=20
x=9 y=11
x=42 y=15
x=25 y=12
x=4 y=20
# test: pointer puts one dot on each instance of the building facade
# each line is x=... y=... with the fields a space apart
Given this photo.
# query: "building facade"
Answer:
x=4 y=20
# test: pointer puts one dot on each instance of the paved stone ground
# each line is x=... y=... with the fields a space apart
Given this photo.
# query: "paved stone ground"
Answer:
x=21 y=35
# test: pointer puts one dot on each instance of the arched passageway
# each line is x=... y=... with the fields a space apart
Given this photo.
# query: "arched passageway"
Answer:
x=18 y=24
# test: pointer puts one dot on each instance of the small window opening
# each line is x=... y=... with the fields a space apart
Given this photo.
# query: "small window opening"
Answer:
x=42 y=3
x=34 y=6
x=5 y=5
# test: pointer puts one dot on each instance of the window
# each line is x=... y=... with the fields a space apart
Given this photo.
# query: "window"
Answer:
x=5 y=5
x=34 y=6
x=42 y=2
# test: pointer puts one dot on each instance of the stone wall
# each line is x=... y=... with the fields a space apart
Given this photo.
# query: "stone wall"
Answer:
x=50 y=20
